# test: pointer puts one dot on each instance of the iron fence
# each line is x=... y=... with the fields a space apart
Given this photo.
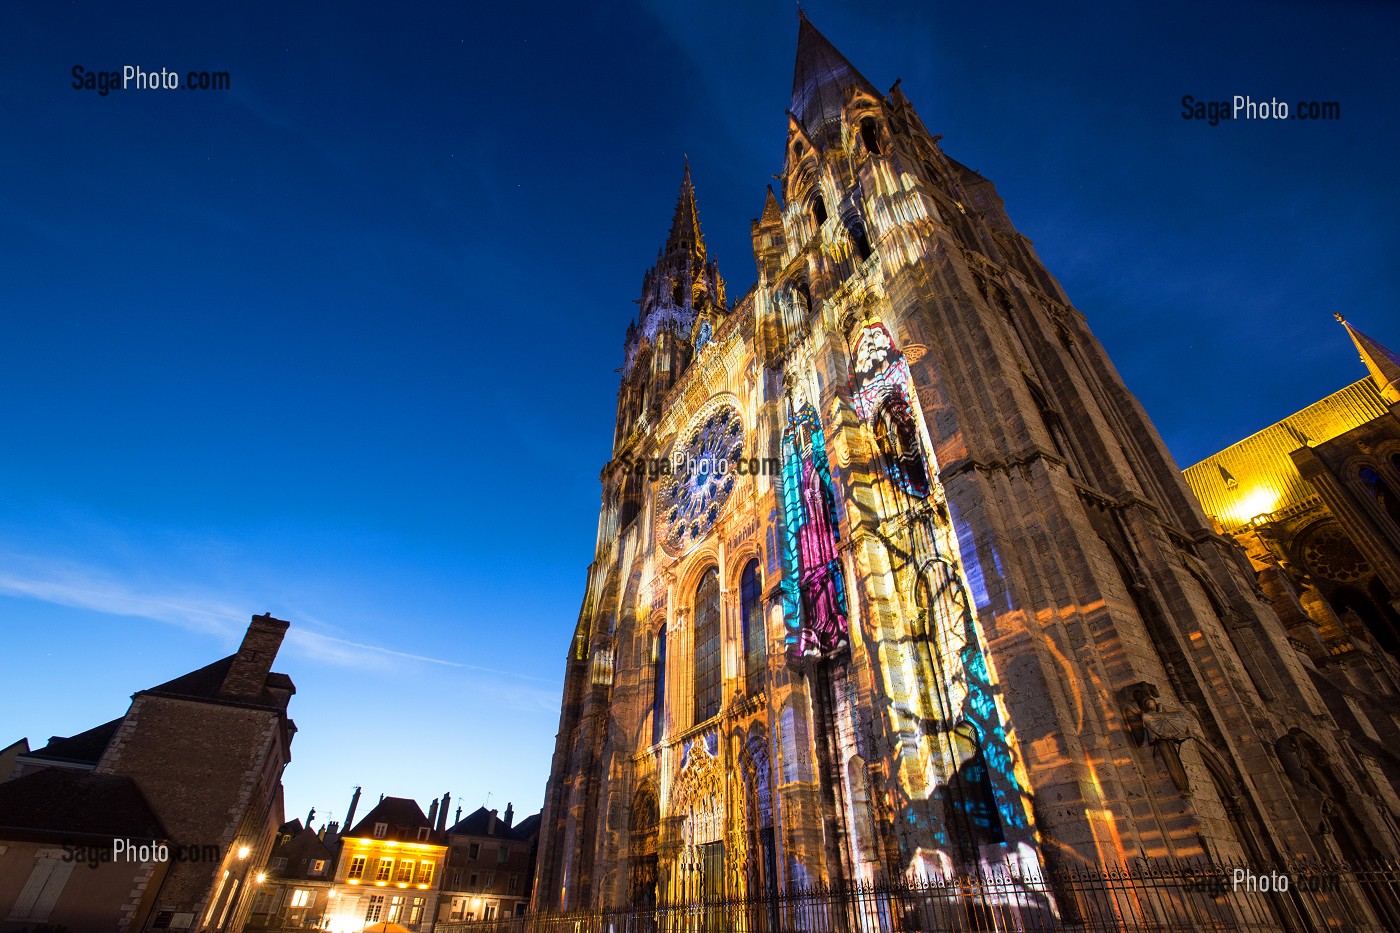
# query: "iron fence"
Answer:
x=1149 y=897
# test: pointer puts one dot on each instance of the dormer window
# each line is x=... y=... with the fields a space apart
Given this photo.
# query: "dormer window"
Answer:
x=422 y=833
x=381 y=830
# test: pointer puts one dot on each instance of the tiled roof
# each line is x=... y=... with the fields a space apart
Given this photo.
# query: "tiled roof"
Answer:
x=305 y=848
x=83 y=748
x=403 y=816
x=478 y=823
x=57 y=802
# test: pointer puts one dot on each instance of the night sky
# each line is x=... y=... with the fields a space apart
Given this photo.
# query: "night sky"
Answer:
x=340 y=343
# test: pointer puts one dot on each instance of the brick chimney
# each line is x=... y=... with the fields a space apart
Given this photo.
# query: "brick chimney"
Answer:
x=248 y=674
x=442 y=814
x=510 y=814
x=432 y=812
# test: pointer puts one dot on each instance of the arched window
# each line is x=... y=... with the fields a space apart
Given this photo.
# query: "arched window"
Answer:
x=856 y=229
x=755 y=638
x=897 y=440
x=819 y=210
x=870 y=135
x=707 y=674
x=973 y=810
x=1380 y=491
x=658 y=687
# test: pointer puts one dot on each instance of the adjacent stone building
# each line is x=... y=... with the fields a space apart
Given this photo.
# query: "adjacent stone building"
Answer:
x=489 y=866
x=295 y=889
x=195 y=767
x=894 y=575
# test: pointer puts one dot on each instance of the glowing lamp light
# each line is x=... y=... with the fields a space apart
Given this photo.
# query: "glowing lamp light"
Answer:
x=261 y=877
x=1259 y=502
x=244 y=852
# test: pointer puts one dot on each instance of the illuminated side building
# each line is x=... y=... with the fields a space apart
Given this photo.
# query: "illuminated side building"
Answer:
x=1312 y=502
x=389 y=869
x=894 y=575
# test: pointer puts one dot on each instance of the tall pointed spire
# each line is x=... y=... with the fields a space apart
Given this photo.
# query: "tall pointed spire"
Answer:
x=820 y=78
x=685 y=225
x=1383 y=364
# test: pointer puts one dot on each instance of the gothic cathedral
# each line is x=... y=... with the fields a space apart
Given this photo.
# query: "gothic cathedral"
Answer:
x=895 y=576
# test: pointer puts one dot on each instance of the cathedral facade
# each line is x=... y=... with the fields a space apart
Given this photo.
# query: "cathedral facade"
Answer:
x=894 y=576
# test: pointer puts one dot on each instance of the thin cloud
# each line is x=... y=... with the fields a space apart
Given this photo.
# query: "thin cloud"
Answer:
x=94 y=590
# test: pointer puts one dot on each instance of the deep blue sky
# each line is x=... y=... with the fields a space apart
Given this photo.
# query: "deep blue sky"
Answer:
x=340 y=343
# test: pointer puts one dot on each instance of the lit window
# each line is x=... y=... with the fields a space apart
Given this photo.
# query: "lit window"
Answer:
x=405 y=872
x=381 y=830
x=707 y=680
x=376 y=907
x=301 y=897
x=395 y=908
x=658 y=695
x=386 y=868
x=415 y=914
x=491 y=911
x=318 y=866
x=425 y=872
x=357 y=867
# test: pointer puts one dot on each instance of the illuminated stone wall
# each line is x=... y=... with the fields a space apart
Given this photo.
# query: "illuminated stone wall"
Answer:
x=998 y=630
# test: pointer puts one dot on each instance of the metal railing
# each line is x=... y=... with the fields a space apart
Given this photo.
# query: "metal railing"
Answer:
x=1156 y=896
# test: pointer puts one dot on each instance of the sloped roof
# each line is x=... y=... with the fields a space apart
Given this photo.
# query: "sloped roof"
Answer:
x=820 y=78
x=63 y=803
x=478 y=823
x=305 y=846
x=206 y=682
x=528 y=826
x=403 y=816
x=83 y=748
x=1257 y=476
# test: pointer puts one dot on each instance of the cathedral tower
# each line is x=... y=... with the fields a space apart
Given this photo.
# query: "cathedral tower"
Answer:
x=917 y=587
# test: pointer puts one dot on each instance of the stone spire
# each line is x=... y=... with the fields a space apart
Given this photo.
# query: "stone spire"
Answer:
x=1383 y=364
x=685 y=225
x=820 y=78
